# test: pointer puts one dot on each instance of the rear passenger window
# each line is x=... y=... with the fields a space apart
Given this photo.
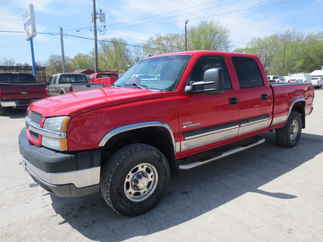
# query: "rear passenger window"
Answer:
x=208 y=62
x=248 y=73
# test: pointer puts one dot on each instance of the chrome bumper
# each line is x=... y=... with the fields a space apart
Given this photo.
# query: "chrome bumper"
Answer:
x=79 y=178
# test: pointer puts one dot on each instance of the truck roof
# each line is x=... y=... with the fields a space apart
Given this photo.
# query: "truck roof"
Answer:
x=206 y=52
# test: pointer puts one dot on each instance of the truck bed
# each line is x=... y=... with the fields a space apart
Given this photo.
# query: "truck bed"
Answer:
x=284 y=96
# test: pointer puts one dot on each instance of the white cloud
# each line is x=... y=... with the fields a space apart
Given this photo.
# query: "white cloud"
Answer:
x=238 y=16
x=129 y=36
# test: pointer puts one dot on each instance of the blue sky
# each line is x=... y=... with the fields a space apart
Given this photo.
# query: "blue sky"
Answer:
x=137 y=20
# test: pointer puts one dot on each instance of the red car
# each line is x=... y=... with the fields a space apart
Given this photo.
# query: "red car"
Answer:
x=105 y=78
x=168 y=112
x=18 y=90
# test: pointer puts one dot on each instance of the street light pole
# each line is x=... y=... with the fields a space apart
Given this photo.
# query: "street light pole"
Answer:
x=186 y=22
x=94 y=17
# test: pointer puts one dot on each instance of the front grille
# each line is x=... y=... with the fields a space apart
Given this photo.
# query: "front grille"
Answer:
x=34 y=117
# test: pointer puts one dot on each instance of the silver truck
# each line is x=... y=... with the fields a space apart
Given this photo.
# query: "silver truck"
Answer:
x=69 y=82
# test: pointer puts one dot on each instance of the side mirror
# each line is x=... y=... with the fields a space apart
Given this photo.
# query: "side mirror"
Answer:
x=212 y=83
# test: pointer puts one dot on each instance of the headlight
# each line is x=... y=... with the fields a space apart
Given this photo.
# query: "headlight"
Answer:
x=57 y=123
x=56 y=127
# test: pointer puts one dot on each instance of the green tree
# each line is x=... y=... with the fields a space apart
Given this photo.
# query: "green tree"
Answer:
x=82 y=61
x=208 y=36
x=164 y=43
x=114 y=55
x=288 y=52
x=54 y=65
x=205 y=36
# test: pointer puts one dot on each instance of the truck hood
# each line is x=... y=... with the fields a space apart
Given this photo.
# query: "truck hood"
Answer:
x=83 y=101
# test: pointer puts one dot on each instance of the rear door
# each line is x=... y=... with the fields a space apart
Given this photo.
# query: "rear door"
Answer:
x=255 y=95
x=208 y=118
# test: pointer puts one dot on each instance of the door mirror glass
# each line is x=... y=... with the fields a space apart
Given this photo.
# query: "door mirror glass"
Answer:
x=212 y=82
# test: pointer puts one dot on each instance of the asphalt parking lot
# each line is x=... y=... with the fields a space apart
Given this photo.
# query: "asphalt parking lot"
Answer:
x=265 y=194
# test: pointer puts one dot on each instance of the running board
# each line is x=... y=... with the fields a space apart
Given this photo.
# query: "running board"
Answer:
x=224 y=154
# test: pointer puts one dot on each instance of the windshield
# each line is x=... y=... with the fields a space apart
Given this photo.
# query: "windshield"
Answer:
x=160 y=73
x=16 y=78
x=73 y=78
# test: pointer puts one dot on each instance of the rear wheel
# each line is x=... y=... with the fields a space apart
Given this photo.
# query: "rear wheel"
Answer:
x=134 y=179
x=289 y=135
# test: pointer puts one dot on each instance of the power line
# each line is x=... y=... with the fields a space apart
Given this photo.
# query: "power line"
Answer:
x=83 y=37
x=169 y=17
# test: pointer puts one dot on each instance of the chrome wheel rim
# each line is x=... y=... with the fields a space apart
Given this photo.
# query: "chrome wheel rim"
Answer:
x=294 y=130
x=141 y=182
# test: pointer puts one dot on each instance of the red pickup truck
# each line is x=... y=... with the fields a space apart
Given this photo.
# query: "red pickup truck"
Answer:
x=105 y=78
x=168 y=112
x=18 y=90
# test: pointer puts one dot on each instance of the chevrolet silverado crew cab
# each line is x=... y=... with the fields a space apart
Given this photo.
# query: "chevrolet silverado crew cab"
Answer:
x=18 y=90
x=167 y=112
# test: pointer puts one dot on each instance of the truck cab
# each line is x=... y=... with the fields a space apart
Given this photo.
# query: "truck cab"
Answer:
x=168 y=112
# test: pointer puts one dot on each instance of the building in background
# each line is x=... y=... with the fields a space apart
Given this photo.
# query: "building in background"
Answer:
x=300 y=77
x=41 y=71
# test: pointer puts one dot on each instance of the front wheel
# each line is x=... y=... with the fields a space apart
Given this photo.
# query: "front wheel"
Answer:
x=289 y=135
x=134 y=179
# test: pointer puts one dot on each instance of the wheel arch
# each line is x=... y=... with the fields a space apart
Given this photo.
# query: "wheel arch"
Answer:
x=299 y=105
x=147 y=133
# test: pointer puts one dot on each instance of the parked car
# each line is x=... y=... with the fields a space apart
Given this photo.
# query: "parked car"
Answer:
x=168 y=112
x=18 y=90
x=317 y=82
x=276 y=79
x=105 y=78
x=301 y=77
x=69 y=82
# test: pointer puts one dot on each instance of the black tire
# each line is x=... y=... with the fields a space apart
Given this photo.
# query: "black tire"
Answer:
x=284 y=135
x=116 y=170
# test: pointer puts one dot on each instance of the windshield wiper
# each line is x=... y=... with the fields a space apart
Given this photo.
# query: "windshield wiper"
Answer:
x=136 y=84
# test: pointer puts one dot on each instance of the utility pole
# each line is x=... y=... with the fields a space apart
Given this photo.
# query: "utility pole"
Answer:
x=94 y=17
x=33 y=62
x=62 y=49
x=186 y=22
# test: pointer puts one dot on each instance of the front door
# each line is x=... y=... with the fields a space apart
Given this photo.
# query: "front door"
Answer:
x=208 y=118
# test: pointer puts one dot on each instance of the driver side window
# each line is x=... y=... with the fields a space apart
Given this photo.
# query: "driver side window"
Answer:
x=208 y=62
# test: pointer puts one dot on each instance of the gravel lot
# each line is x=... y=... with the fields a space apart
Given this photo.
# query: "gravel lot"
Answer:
x=264 y=194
